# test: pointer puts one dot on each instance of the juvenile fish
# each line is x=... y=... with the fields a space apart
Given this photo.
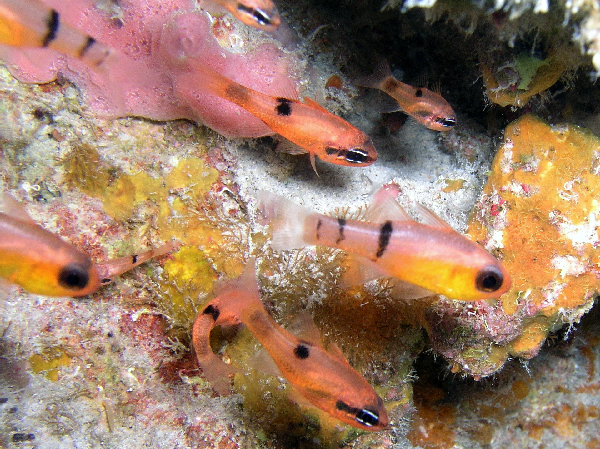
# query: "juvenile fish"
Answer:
x=30 y=23
x=42 y=263
x=324 y=378
x=431 y=255
x=308 y=125
x=427 y=107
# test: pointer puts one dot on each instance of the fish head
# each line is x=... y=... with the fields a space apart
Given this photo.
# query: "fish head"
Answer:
x=354 y=154
x=261 y=14
x=369 y=414
x=433 y=111
x=475 y=276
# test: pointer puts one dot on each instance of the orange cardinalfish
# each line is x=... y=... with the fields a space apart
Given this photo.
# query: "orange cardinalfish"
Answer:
x=30 y=23
x=308 y=125
x=42 y=263
x=427 y=107
x=261 y=14
x=428 y=258
x=324 y=378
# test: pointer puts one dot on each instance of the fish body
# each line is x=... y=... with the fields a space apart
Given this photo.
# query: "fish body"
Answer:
x=427 y=107
x=431 y=256
x=30 y=23
x=324 y=378
x=308 y=125
x=261 y=14
x=42 y=263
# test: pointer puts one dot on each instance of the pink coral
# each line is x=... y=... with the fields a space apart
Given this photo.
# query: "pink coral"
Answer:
x=148 y=76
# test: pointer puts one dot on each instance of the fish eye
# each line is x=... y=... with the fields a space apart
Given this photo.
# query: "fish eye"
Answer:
x=446 y=121
x=74 y=276
x=357 y=156
x=489 y=279
x=367 y=417
x=258 y=15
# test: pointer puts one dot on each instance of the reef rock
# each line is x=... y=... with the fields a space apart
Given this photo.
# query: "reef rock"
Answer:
x=539 y=214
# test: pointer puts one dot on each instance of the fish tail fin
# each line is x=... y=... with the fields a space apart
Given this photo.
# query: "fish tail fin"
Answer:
x=380 y=74
x=217 y=372
x=287 y=221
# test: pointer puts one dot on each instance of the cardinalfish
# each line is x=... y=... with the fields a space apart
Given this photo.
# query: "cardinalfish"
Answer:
x=311 y=127
x=30 y=23
x=427 y=107
x=425 y=258
x=42 y=263
x=261 y=14
x=325 y=378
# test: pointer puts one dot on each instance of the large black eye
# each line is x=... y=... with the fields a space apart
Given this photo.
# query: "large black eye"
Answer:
x=357 y=156
x=74 y=277
x=489 y=279
x=367 y=417
x=260 y=16
x=448 y=122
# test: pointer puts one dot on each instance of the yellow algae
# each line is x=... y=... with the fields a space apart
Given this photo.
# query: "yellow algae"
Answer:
x=540 y=209
x=85 y=169
x=49 y=362
x=128 y=191
x=189 y=264
x=193 y=175
x=453 y=185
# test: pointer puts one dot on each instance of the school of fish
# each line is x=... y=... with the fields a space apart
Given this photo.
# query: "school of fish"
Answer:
x=425 y=258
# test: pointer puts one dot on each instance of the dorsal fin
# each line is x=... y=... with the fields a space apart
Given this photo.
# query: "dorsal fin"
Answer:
x=386 y=209
x=313 y=103
x=246 y=282
x=304 y=327
x=429 y=217
x=384 y=206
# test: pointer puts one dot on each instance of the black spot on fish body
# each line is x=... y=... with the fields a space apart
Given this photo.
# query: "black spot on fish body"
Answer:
x=419 y=93
x=341 y=226
x=284 y=106
x=134 y=258
x=74 y=276
x=105 y=281
x=89 y=43
x=385 y=232
x=319 y=224
x=302 y=351
x=330 y=151
x=213 y=311
x=53 y=24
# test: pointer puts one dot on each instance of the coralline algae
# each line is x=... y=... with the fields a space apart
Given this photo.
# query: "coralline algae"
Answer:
x=538 y=213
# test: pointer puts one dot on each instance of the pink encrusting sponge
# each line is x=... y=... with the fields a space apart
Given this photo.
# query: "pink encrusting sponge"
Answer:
x=148 y=75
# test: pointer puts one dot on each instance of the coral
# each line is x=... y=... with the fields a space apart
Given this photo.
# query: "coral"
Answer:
x=538 y=213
